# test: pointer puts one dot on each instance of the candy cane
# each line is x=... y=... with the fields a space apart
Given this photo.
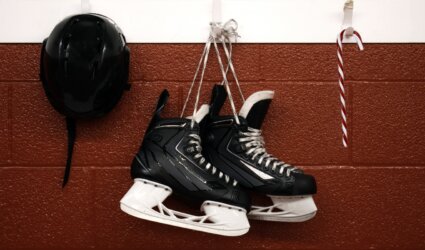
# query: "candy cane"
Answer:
x=342 y=97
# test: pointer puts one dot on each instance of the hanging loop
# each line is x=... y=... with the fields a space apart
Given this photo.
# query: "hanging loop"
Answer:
x=224 y=32
x=356 y=35
x=228 y=53
x=226 y=83
x=221 y=33
x=202 y=62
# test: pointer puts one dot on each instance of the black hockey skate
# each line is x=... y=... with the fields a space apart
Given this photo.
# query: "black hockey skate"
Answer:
x=237 y=147
x=170 y=160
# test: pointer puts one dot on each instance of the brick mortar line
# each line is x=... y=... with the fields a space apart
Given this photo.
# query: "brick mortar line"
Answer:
x=350 y=120
x=285 y=81
x=9 y=124
x=239 y=43
x=19 y=81
x=250 y=81
x=310 y=167
x=386 y=81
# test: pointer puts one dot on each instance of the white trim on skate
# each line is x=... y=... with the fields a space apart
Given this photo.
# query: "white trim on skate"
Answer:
x=286 y=209
x=262 y=175
x=219 y=218
x=171 y=126
x=201 y=113
x=253 y=99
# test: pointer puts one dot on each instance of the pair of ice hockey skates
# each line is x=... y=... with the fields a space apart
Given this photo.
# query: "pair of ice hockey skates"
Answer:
x=215 y=159
x=232 y=159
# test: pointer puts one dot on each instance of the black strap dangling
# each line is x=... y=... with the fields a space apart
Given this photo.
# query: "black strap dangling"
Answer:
x=70 y=126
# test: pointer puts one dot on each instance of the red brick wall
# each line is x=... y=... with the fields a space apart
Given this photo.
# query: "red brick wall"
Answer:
x=369 y=196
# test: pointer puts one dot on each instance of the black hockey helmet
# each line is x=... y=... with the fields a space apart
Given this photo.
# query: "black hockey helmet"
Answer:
x=84 y=69
x=84 y=66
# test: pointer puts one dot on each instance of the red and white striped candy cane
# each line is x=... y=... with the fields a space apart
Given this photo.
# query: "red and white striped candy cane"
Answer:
x=339 y=40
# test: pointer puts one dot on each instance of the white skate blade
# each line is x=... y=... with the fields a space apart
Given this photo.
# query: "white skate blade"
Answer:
x=286 y=209
x=222 y=219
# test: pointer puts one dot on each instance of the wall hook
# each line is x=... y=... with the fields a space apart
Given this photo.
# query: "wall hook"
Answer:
x=216 y=11
x=85 y=6
x=215 y=23
x=347 y=23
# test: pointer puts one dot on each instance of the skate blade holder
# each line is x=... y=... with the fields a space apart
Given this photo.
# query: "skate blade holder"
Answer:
x=286 y=209
x=145 y=199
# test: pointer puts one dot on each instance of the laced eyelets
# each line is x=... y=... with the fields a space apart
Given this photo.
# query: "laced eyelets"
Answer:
x=195 y=148
x=190 y=150
x=255 y=151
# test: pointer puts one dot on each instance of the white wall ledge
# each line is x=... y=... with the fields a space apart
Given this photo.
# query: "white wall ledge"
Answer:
x=260 y=21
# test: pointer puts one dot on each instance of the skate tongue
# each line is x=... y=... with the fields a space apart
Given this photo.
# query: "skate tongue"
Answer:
x=218 y=97
x=201 y=113
x=255 y=108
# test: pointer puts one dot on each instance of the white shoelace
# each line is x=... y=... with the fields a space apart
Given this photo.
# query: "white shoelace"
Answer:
x=254 y=142
x=219 y=32
x=231 y=34
x=197 y=149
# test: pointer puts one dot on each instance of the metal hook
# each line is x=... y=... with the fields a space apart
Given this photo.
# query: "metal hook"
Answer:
x=216 y=11
x=347 y=23
x=85 y=6
x=215 y=23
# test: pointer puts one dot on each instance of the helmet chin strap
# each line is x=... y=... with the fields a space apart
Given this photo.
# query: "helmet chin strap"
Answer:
x=71 y=128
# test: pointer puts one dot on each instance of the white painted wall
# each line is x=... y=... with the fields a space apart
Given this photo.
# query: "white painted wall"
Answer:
x=187 y=21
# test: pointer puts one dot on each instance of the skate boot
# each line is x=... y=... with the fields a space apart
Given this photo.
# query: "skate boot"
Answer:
x=238 y=148
x=170 y=160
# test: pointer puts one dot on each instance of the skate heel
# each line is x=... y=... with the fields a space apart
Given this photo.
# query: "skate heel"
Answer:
x=143 y=196
x=286 y=209
x=234 y=218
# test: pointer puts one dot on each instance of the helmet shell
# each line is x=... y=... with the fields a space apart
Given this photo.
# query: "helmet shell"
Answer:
x=84 y=66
